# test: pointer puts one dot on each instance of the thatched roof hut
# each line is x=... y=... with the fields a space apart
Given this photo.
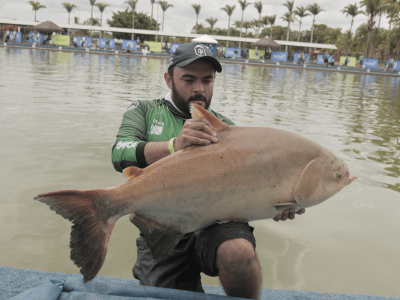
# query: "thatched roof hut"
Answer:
x=266 y=42
x=48 y=26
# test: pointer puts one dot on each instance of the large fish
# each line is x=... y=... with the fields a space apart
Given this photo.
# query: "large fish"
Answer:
x=252 y=173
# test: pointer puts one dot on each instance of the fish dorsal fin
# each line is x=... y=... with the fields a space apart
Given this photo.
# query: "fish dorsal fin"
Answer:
x=198 y=111
x=132 y=172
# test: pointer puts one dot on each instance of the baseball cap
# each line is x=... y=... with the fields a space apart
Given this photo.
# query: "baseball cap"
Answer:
x=185 y=54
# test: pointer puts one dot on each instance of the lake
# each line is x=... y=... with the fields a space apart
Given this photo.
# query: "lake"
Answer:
x=60 y=113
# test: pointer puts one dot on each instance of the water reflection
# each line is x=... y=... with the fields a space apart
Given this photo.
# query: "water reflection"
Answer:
x=59 y=128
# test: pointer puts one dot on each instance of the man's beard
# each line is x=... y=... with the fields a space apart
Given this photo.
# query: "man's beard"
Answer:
x=183 y=104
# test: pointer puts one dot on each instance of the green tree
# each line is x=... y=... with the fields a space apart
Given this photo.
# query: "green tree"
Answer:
x=197 y=8
x=301 y=12
x=229 y=10
x=36 y=6
x=123 y=19
x=151 y=17
x=243 y=4
x=372 y=7
x=212 y=22
x=392 y=8
x=288 y=17
x=314 y=9
x=353 y=11
x=92 y=3
x=69 y=7
x=259 y=7
x=164 y=6
x=132 y=4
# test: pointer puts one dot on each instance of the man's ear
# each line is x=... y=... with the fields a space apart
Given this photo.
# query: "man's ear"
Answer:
x=168 y=79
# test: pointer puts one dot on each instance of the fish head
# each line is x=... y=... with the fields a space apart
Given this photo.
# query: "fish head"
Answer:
x=321 y=179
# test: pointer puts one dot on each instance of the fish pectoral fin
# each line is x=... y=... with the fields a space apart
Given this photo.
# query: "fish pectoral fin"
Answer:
x=132 y=172
x=282 y=206
x=198 y=111
x=161 y=239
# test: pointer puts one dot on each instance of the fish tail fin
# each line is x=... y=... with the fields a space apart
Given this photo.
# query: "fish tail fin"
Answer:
x=89 y=235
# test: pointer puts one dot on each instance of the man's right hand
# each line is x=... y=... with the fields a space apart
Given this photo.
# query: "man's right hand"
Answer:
x=196 y=131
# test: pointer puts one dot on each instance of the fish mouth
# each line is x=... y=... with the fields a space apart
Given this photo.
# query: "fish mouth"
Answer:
x=349 y=178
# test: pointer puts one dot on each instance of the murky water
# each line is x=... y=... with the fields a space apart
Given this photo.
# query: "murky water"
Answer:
x=59 y=116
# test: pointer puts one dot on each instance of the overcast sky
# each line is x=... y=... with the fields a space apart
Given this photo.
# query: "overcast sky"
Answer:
x=181 y=18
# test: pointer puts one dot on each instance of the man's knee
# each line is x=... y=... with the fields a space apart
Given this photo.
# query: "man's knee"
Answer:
x=236 y=254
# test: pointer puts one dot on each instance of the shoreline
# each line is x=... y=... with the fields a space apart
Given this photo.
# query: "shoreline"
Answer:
x=267 y=63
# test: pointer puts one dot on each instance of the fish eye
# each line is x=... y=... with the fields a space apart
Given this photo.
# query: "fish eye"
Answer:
x=338 y=175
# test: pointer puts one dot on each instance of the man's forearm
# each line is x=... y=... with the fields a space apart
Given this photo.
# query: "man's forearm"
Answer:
x=155 y=151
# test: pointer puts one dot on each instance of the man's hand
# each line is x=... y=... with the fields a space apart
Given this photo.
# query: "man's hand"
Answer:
x=288 y=214
x=196 y=131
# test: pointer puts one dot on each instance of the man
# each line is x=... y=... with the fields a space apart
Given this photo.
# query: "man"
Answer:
x=361 y=59
x=83 y=41
x=326 y=59
x=391 y=64
x=39 y=38
x=152 y=130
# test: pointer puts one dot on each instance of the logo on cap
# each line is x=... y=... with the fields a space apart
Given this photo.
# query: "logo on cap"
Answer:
x=200 y=51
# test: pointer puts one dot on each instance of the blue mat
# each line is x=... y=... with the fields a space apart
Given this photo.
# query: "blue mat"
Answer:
x=20 y=284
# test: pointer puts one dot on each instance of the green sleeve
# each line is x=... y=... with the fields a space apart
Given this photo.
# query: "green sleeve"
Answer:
x=223 y=118
x=131 y=133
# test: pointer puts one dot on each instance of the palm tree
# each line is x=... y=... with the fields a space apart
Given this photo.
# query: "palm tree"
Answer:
x=132 y=4
x=301 y=12
x=314 y=9
x=271 y=21
x=255 y=24
x=353 y=11
x=243 y=5
x=288 y=17
x=212 y=22
x=229 y=10
x=92 y=2
x=259 y=7
x=151 y=18
x=164 y=6
x=197 y=8
x=69 y=7
x=36 y=6
x=392 y=8
x=372 y=7
x=101 y=6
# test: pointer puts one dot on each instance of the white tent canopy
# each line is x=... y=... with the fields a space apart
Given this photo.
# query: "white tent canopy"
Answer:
x=205 y=39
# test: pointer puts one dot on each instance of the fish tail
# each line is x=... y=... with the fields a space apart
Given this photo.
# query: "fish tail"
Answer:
x=90 y=234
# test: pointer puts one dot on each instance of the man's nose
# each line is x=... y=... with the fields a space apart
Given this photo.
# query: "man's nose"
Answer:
x=199 y=88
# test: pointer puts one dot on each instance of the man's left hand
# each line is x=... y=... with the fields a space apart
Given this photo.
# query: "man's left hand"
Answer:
x=288 y=214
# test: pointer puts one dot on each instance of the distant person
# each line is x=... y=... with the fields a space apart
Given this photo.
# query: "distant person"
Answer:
x=137 y=41
x=235 y=53
x=391 y=64
x=245 y=53
x=326 y=59
x=346 y=60
x=108 y=43
x=15 y=36
x=128 y=48
x=7 y=35
x=361 y=60
x=38 y=37
x=302 y=59
x=75 y=42
x=83 y=41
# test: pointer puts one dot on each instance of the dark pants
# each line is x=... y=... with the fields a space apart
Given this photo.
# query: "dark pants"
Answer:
x=195 y=253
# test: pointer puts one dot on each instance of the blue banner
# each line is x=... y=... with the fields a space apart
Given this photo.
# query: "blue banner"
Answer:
x=102 y=43
x=370 y=63
x=173 y=48
x=279 y=56
x=320 y=59
x=131 y=43
x=212 y=47
x=33 y=38
x=396 y=64
x=229 y=52
x=18 y=37
x=88 y=41
x=297 y=55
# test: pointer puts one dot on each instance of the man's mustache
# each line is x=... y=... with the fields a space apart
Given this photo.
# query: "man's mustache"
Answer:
x=197 y=98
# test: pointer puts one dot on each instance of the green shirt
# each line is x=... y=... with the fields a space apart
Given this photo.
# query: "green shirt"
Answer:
x=148 y=121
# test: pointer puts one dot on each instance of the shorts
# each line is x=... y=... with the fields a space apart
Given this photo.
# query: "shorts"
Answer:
x=195 y=253
x=325 y=61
